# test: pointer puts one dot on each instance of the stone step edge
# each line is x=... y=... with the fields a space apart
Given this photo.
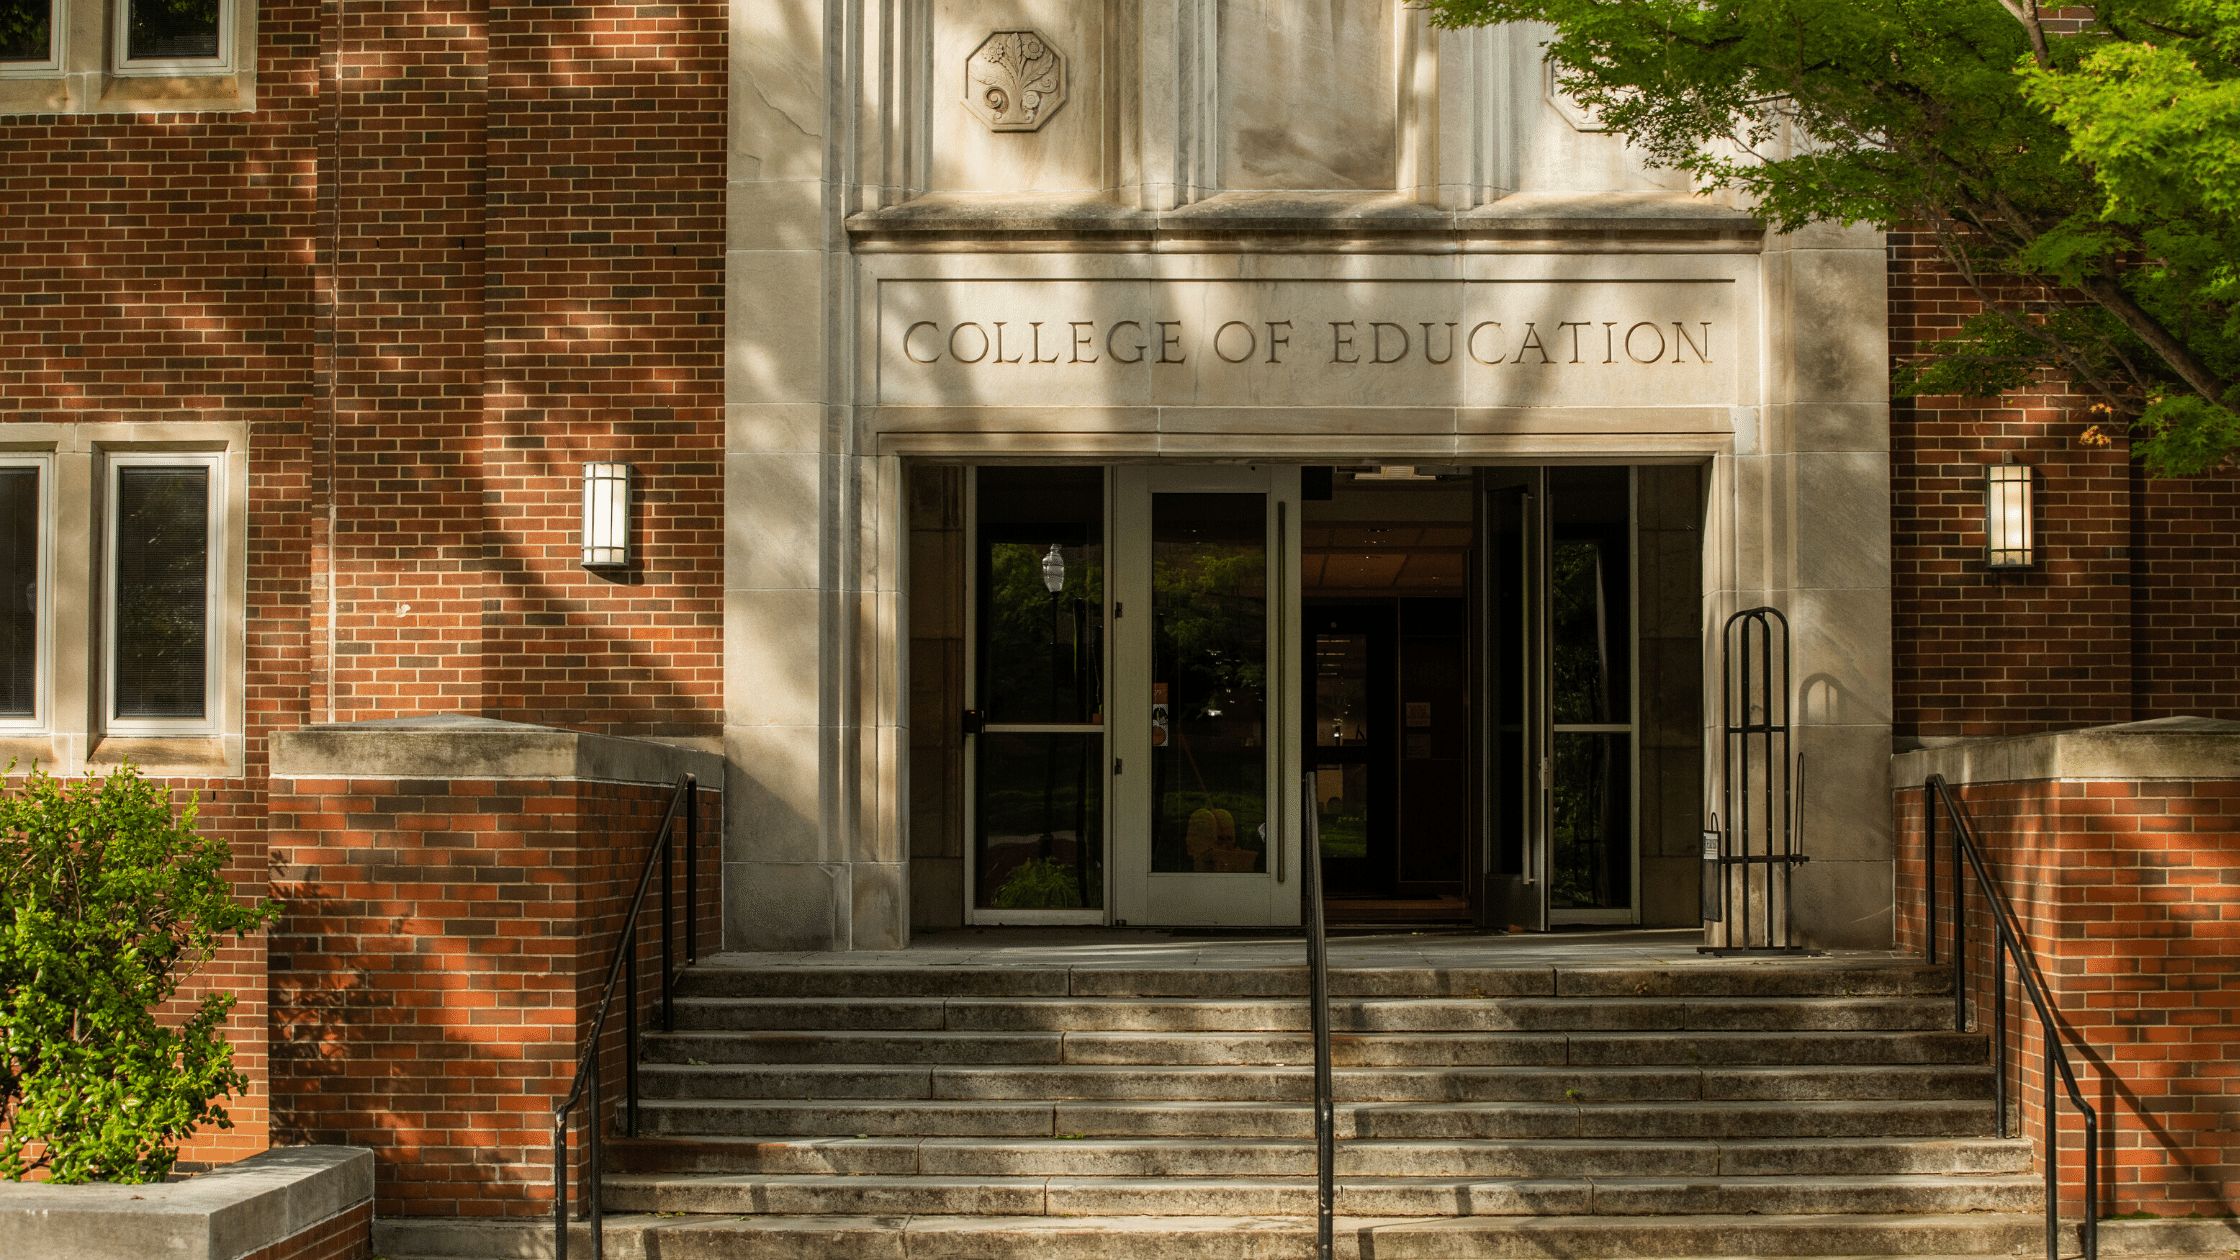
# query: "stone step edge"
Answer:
x=532 y=1239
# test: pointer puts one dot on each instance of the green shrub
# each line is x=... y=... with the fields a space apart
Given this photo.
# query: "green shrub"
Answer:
x=108 y=903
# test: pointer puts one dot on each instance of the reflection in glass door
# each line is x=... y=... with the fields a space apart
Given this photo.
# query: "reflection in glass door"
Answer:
x=1200 y=740
x=1037 y=725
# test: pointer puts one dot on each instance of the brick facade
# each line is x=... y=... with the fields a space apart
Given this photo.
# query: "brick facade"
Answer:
x=2130 y=613
x=444 y=946
x=346 y=1236
x=2130 y=894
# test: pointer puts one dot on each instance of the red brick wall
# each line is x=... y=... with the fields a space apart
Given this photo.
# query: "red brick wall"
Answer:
x=346 y=1236
x=527 y=245
x=443 y=947
x=2130 y=895
x=2131 y=612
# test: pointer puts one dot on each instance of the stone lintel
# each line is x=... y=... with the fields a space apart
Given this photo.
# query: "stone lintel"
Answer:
x=220 y=1215
x=456 y=746
x=2165 y=748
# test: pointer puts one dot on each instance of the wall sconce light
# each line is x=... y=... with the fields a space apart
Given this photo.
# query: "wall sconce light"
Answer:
x=1054 y=570
x=2008 y=542
x=606 y=515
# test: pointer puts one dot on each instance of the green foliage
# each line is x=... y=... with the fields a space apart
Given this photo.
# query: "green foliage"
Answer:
x=1039 y=884
x=2086 y=186
x=108 y=902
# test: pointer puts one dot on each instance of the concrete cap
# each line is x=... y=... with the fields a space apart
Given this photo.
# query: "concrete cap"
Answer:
x=461 y=746
x=2164 y=748
x=220 y=1215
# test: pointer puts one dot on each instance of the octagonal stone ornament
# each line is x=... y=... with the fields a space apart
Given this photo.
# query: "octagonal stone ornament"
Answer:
x=1014 y=81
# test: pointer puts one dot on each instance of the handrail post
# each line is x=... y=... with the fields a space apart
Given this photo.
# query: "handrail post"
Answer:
x=560 y=1183
x=1999 y=1036
x=2053 y=1158
x=1959 y=921
x=691 y=870
x=1318 y=1018
x=591 y=1202
x=629 y=1028
x=1929 y=863
x=668 y=916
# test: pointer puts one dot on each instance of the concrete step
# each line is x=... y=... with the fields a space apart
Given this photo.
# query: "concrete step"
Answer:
x=1786 y=978
x=1295 y=1196
x=1238 y=1083
x=1275 y=1157
x=1940 y=1118
x=1467 y=1014
x=1424 y=1049
x=773 y=1237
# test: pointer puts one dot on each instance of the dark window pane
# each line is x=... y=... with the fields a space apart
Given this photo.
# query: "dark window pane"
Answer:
x=1040 y=822
x=1592 y=802
x=26 y=30
x=19 y=591
x=1042 y=651
x=162 y=591
x=166 y=30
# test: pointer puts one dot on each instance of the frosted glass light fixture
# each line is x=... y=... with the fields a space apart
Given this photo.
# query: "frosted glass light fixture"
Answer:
x=606 y=516
x=2008 y=542
x=1054 y=570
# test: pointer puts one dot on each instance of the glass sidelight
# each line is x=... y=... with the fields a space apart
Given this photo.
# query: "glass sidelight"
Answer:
x=1038 y=752
x=1561 y=643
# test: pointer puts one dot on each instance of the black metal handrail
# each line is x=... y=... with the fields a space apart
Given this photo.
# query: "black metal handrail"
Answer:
x=624 y=967
x=1318 y=1016
x=2009 y=941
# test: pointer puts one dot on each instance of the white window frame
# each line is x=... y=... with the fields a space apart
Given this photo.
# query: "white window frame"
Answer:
x=212 y=721
x=171 y=67
x=42 y=683
x=58 y=33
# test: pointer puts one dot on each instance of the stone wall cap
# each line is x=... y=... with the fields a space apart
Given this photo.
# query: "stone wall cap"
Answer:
x=2160 y=748
x=1350 y=213
x=464 y=746
x=221 y=1215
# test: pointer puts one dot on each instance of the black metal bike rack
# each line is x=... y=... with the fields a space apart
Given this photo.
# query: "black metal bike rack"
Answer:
x=1765 y=835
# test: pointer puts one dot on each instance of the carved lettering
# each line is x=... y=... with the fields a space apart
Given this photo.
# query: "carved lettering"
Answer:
x=1376 y=343
x=1471 y=343
x=1168 y=340
x=1680 y=334
x=1608 y=326
x=1574 y=326
x=1081 y=339
x=912 y=329
x=1114 y=351
x=1251 y=343
x=1273 y=340
x=1427 y=343
x=1532 y=342
x=978 y=331
x=999 y=345
x=1657 y=354
x=1342 y=341
x=1035 y=356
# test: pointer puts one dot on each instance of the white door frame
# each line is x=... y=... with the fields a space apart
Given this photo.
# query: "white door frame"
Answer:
x=1140 y=897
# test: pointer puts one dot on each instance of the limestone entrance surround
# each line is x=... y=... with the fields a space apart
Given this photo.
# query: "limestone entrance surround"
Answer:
x=1147 y=278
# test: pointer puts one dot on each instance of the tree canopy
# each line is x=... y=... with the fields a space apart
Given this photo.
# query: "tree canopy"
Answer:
x=2082 y=178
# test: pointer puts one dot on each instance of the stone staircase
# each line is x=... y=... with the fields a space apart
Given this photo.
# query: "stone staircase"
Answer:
x=1760 y=1109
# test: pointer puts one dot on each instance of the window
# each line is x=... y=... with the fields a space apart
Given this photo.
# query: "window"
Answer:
x=165 y=513
x=30 y=38
x=25 y=535
x=99 y=56
x=172 y=36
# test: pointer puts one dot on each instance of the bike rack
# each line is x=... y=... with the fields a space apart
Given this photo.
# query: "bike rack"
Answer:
x=1766 y=835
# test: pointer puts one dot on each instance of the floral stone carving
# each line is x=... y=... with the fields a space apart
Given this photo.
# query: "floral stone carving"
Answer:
x=1014 y=81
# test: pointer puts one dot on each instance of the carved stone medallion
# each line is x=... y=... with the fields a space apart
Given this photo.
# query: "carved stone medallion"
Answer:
x=1014 y=81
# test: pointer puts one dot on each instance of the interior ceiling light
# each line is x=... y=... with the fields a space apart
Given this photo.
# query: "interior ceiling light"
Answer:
x=1395 y=472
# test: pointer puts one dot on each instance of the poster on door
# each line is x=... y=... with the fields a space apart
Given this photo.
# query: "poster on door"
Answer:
x=1158 y=715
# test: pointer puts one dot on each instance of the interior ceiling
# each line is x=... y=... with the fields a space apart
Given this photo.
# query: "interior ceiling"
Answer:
x=1387 y=537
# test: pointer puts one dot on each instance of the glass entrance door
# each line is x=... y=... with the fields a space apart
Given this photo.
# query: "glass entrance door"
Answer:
x=1205 y=822
x=1560 y=646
